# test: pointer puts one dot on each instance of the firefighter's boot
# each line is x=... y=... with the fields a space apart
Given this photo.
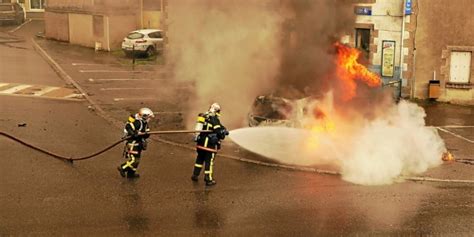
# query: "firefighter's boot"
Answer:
x=122 y=172
x=194 y=178
x=210 y=182
x=132 y=175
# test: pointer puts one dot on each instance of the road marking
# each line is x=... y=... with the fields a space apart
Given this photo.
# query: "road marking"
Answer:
x=454 y=134
x=457 y=126
x=45 y=90
x=91 y=64
x=123 y=99
x=39 y=91
x=135 y=88
x=75 y=96
x=15 y=89
x=110 y=71
x=125 y=79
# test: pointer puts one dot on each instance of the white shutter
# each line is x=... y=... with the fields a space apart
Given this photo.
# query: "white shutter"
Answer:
x=460 y=67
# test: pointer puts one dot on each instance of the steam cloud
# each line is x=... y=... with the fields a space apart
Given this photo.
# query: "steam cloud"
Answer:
x=368 y=152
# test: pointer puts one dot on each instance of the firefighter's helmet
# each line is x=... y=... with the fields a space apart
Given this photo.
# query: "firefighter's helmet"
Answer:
x=145 y=113
x=215 y=108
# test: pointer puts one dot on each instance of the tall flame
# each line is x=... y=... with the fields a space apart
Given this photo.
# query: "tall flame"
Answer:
x=349 y=70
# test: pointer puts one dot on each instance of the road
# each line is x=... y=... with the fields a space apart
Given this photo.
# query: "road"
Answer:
x=42 y=196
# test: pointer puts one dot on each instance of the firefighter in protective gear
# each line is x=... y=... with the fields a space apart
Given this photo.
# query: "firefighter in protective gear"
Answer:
x=208 y=143
x=136 y=130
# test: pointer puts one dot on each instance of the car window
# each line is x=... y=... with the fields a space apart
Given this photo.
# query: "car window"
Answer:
x=6 y=8
x=135 y=35
x=156 y=35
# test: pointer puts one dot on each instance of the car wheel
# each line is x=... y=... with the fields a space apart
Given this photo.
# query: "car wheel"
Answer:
x=150 y=51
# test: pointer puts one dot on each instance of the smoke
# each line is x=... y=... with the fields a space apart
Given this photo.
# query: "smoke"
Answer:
x=369 y=152
x=233 y=51
x=228 y=49
x=311 y=29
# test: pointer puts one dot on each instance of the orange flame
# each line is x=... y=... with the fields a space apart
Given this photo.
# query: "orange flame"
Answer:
x=349 y=70
x=447 y=156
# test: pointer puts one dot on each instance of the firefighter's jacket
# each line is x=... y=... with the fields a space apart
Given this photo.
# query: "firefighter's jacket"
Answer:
x=210 y=141
x=135 y=126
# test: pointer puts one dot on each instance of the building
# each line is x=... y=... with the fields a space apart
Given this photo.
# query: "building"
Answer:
x=34 y=8
x=428 y=38
x=100 y=24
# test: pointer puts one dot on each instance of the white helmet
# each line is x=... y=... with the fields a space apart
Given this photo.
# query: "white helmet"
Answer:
x=145 y=113
x=215 y=108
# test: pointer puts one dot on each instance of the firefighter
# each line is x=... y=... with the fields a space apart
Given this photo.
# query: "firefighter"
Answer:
x=136 y=129
x=208 y=143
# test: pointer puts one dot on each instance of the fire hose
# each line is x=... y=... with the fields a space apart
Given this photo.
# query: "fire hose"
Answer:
x=72 y=159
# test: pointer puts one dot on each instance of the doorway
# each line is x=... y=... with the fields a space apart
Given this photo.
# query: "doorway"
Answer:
x=362 y=41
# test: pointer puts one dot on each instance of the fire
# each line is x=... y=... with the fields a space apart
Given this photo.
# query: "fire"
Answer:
x=447 y=156
x=349 y=70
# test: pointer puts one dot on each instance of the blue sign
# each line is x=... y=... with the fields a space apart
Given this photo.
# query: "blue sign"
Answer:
x=363 y=10
x=407 y=7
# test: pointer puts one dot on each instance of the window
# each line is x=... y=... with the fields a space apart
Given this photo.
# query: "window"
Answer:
x=37 y=4
x=156 y=35
x=362 y=41
x=460 y=67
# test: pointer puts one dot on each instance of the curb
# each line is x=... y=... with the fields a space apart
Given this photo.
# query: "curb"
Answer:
x=18 y=27
x=63 y=75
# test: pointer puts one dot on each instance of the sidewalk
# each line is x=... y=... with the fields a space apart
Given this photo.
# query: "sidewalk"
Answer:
x=457 y=120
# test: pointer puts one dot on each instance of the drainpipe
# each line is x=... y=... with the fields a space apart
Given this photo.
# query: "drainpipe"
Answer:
x=107 y=32
x=141 y=14
x=401 y=48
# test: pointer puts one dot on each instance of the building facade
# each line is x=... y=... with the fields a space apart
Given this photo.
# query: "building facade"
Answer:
x=423 y=43
x=101 y=24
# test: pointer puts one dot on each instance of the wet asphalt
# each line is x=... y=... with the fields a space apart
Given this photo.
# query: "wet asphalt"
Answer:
x=43 y=196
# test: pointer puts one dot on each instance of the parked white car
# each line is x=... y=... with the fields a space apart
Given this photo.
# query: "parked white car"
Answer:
x=146 y=41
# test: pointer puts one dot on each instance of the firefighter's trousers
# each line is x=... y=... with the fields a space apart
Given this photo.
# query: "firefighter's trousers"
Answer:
x=132 y=153
x=206 y=159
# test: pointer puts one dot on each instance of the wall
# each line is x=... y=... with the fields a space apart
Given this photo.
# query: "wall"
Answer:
x=119 y=27
x=441 y=27
x=57 y=26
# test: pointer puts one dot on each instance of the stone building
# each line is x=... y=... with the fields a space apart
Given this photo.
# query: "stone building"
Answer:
x=100 y=23
x=436 y=50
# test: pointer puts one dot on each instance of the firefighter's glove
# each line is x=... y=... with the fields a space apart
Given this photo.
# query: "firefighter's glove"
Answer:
x=221 y=133
x=144 y=144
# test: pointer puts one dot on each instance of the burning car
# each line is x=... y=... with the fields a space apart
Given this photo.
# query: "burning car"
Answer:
x=270 y=110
